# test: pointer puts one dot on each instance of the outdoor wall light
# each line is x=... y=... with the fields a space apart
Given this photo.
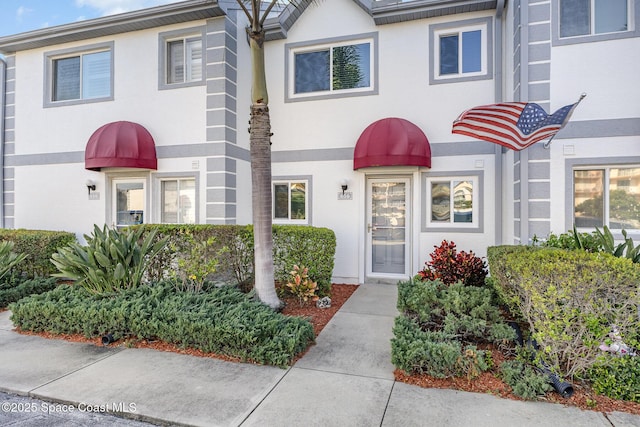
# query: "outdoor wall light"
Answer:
x=344 y=184
x=91 y=185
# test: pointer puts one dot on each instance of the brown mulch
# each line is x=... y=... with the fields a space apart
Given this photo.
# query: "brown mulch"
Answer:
x=487 y=382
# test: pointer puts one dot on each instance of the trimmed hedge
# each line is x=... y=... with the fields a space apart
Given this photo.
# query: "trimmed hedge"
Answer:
x=39 y=245
x=16 y=288
x=570 y=299
x=222 y=320
x=233 y=246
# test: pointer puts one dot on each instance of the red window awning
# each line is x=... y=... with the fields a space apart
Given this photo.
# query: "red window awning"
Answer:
x=392 y=142
x=121 y=145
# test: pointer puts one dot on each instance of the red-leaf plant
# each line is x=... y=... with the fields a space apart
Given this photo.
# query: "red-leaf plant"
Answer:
x=451 y=266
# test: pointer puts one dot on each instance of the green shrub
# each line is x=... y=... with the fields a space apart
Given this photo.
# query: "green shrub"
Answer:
x=466 y=312
x=15 y=288
x=39 y=245
x=569 y=299
x=524 y=380
x=233 y=245
x=113 y=260
x=617 y=377
x=573 y=240
x=221 y=320
x=435 y=354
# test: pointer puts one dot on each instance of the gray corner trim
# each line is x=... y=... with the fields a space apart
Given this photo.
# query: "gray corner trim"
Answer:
x=289 y=68
x=524 y=195
x=174 y=13
x=156 y=179
x=634 y=22
x=317 y=155
x=309 y=179
x=524 y=55
x=488 y=23
x=392 y=11
x=48 y=74
x=601 y=128
x=182 y=33
x=424 y=176
x=586 y=162
x=3 y=100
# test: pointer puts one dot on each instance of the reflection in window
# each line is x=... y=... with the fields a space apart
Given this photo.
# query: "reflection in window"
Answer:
x=178 y=201
x=84 y=76
x=290 y=201
x=607 y=196
x=442 y=200
x=129 y=203
x=586 y=17
x=333 y=68
x=184 y=60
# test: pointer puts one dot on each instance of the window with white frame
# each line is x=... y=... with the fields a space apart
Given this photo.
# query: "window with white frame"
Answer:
x=178 y=201
x=338 y=67
x=591 y=17
x=461 y=51
x=452 y=202
x=290 y=201
x=79 y=75
x=608 y=196
x=181 y=58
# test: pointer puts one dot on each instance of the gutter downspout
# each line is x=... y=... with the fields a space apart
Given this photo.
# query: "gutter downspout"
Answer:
x=3 y=99
x=498 y=79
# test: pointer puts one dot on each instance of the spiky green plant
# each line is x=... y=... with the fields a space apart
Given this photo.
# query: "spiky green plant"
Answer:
x=113 y=260
x=8 y=258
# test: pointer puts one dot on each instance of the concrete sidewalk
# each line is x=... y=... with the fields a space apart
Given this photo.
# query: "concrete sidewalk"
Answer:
x=346 y=379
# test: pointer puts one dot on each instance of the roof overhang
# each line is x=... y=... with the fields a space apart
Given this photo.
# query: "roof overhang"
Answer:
x=120 y=145
x=392 y=142
x=168 y=14
x=391 y=11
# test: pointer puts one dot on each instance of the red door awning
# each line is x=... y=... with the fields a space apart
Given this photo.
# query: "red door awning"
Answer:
x=121 y=145
x=392 y=142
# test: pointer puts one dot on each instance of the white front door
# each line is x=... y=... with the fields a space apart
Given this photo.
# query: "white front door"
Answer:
x=388 y=227
x=128 y=202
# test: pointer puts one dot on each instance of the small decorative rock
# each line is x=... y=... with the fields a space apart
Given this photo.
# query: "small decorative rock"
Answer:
x=324 y=302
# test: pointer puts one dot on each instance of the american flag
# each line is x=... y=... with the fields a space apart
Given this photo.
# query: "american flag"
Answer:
x=515 y=125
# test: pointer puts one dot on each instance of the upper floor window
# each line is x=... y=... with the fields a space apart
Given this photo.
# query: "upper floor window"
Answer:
x=332 y=68
x=76 y=75
x=290 y=201
x=184 y=60
x=607 y=196
x=589 y=17
x=181 y=58
x=461 y=51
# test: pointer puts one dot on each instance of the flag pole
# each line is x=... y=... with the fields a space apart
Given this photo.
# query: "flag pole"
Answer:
x=548 y=143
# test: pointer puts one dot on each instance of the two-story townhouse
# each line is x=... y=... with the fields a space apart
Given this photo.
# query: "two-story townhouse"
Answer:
x=123 y=119
x=362 y=99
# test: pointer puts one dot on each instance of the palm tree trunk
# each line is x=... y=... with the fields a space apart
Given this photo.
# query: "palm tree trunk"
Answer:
x=260 y=141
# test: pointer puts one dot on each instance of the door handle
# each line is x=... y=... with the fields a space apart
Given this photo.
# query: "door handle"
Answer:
x=370 y=227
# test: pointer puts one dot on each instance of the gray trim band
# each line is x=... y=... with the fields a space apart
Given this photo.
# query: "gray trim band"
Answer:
x=601 y=128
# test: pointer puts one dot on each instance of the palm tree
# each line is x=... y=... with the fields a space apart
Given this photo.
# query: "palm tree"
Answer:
x=260 y=142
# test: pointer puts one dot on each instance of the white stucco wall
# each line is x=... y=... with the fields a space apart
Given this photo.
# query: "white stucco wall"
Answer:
x=403 y=91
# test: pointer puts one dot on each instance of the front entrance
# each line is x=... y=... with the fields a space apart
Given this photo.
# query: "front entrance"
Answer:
x=128 y=202
x=388 y=227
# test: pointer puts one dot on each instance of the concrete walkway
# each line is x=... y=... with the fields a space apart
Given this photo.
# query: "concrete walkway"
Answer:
x=346 y=379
